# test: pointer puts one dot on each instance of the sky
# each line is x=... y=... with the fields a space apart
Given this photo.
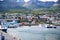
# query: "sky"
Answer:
x=26 y=0
x=1 y=0
x=39 y=0
x=43 y=0
x=49 y=0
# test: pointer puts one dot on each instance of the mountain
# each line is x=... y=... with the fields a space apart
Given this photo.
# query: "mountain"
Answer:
x=21 y=4
x=38 y=4
x=11 y=4
x=58 y=1
x=57 y=4
x=16 y=2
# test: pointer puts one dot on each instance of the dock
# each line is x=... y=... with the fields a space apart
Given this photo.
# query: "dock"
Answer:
x=7 y=36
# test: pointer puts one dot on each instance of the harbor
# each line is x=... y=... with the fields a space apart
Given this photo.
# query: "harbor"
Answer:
x=30 y=28
x=31 y=32
x=29 y=19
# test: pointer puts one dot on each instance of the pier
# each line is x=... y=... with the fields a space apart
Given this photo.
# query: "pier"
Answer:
x=6 y=36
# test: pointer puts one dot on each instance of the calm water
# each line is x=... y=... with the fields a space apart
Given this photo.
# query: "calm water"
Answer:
x=35 y=33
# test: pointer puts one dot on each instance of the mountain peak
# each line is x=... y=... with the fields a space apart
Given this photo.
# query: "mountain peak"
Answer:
x=57 y=4
x=38 y=4
x=58 y=1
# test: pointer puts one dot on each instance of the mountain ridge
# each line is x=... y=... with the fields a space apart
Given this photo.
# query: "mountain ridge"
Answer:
x=32 y=4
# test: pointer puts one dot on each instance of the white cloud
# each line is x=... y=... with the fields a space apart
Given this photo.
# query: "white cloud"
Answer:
x=49 y=0
x=17 y=1
x=1 y=0
x=42 y=0
x=26 y=0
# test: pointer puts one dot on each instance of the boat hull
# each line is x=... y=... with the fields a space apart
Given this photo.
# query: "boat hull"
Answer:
x=4 y=30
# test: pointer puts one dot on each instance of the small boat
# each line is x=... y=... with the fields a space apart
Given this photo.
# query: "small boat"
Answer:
x=51 y=26
x=3 y=28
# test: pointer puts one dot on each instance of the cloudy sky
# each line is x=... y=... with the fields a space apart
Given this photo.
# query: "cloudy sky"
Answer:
x=26 y=0
x=43 y=0
x=40 y=0
x=50 y=0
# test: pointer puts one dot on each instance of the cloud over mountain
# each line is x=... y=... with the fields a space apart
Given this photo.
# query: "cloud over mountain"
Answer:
x=21 y=4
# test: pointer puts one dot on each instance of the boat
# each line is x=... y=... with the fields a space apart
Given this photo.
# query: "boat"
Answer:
x=3 y=28
x=51 y=26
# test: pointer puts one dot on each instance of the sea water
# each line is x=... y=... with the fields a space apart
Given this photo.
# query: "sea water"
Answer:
x=35 y=33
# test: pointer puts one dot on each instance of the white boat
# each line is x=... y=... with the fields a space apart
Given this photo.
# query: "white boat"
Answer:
x=51 y=26
x=3 y=28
